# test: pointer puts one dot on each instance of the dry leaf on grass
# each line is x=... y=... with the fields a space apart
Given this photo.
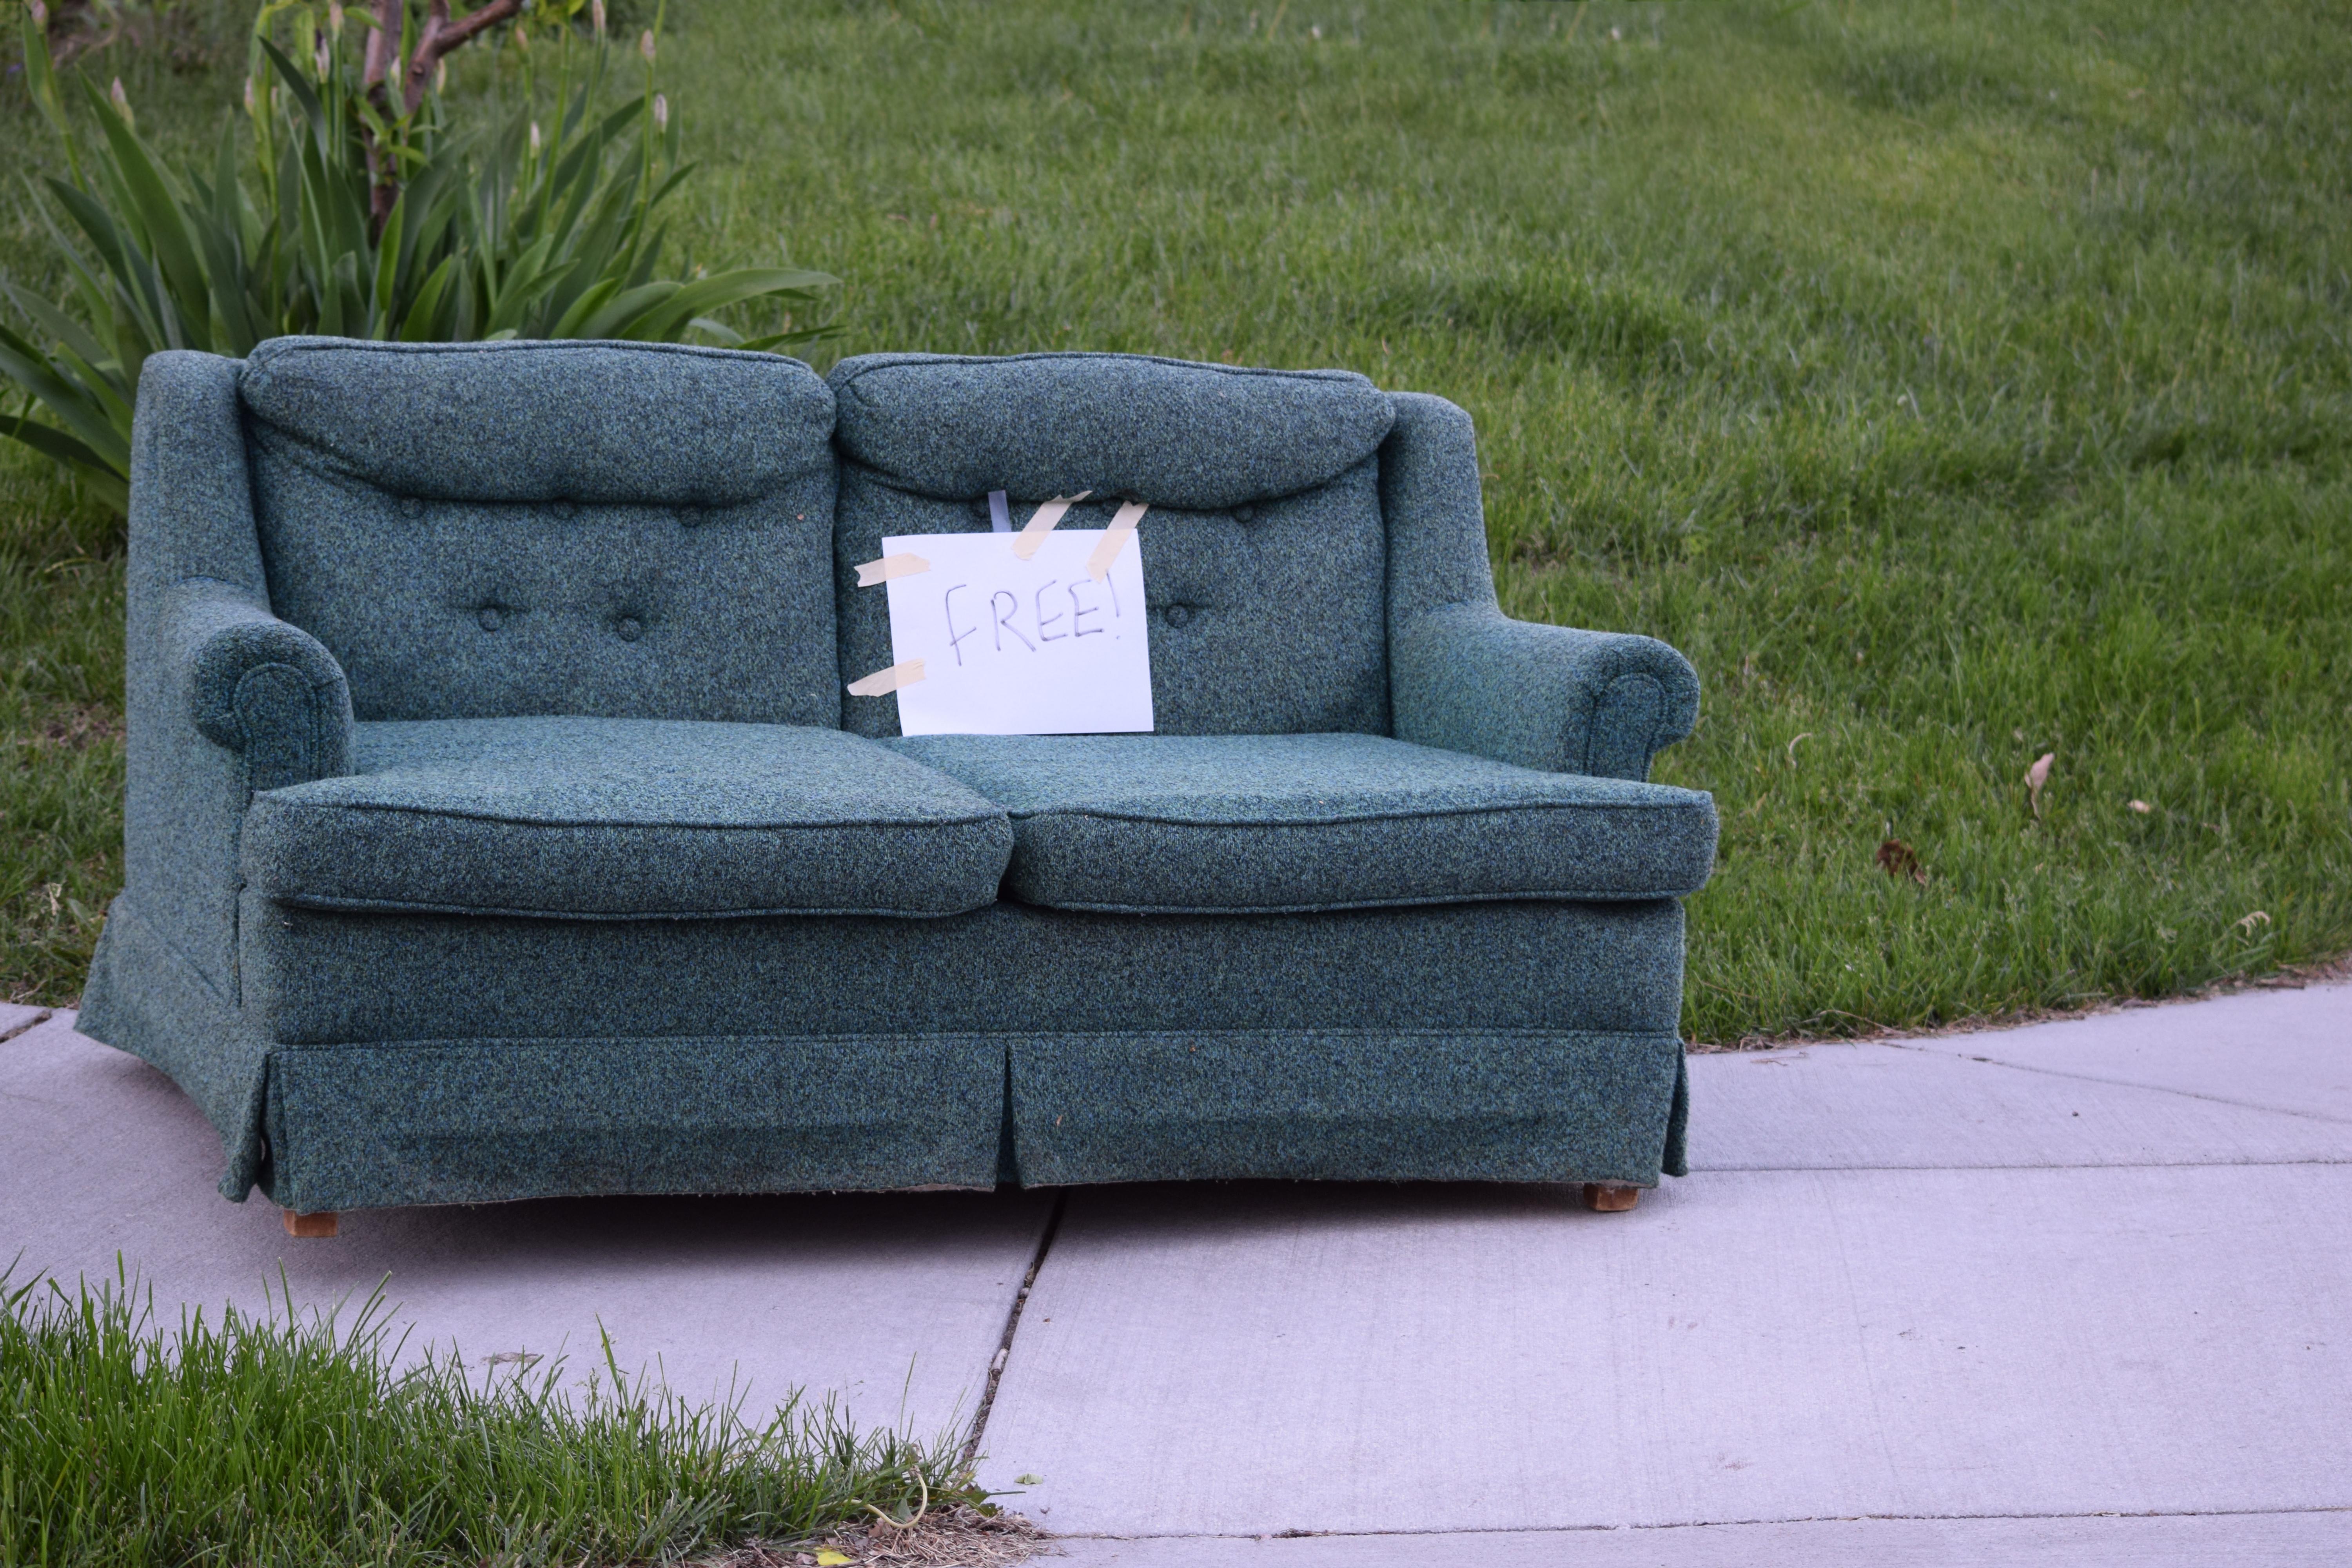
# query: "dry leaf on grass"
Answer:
x=2035 y=777
x=2141 y=806
x=1899 y=860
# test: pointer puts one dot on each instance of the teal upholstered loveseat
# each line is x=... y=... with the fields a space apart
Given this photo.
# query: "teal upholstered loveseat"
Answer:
x=498 y=825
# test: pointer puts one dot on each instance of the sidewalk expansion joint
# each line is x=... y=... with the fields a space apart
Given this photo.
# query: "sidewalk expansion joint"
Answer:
x=1013 y=1326
x=1699 y=1524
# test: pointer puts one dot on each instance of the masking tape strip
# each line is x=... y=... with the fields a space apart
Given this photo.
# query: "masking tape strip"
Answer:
x=1000 y=515
x=1122 y=528
x=869 y=573
x=882 y=682
x=1041 y=522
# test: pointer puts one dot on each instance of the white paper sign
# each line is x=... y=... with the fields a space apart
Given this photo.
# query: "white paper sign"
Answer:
x=1020 y=647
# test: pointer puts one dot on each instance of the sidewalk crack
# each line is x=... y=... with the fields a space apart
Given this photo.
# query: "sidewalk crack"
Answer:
x=35 y=1022
x=2125 y=1083
x=1012 y=1326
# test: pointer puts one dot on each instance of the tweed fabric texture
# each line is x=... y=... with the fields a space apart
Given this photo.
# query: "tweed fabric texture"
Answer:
x=145 y=996
x=1262 y=620
x=1189 y=437
x=619 y=530
x=1468 y=679
x=609 y=423
x=221 y=698
x=620 y=817
x=1364 y=1104
x=328 y=977
x=1210 y=823
x=1464 y=677
x=436 y=1121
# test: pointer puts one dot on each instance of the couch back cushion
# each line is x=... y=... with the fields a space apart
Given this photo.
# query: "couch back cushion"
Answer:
x=1265 y=557
x=611 y=529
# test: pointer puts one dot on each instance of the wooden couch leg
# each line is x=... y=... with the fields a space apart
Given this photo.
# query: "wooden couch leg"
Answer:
x=1600 y=1198
x=322 y=1226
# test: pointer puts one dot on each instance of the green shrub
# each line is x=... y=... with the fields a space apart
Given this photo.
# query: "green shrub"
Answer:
x=350 y=213
x=295 y=1440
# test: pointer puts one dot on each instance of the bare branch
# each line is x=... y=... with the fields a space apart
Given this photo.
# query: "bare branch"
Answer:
x=382 y=45
x=382 y=48
x=434 y=41
x=441 y=36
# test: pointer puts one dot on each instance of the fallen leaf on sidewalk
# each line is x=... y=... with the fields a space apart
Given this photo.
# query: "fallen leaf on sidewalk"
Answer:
x=2035 y=777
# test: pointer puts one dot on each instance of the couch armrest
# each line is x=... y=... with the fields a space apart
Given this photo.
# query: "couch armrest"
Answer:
x=256 y=685
x=1464 y=676
x=221 y=699
x=1469 y=679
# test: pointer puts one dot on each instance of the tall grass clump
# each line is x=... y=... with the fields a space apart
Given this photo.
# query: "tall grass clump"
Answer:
x=296 y=1439
x=357 y=205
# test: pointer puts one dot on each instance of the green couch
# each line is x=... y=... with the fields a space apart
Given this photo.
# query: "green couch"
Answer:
x=498 y=825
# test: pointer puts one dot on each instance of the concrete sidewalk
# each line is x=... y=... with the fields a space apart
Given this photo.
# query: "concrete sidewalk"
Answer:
x=1962 y=1300
x=2076 y=1293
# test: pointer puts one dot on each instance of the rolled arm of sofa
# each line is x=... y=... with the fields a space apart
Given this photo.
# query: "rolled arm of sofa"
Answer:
x=256 y=686
x=1467 y=677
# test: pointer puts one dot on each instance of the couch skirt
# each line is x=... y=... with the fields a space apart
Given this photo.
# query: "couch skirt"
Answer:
x=365 y=1061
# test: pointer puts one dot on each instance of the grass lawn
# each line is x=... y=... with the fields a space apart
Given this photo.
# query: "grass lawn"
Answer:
x=1954 y=385
x=295 y=1441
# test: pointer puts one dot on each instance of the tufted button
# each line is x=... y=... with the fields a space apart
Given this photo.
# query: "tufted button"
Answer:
x=565 y=510
x=410 y=507
x=1243 y=513
x=1178 y=615
x=489 y=617
x=629 y=629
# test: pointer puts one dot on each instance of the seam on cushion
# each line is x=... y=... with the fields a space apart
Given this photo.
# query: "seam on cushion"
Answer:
x=270 y=357
x=827 y=824
x=1329 y=377
x=1100 y=813
x=1641 y=896
x=332 y=905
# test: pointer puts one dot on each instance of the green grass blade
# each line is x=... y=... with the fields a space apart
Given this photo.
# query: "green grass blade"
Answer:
x=422 y=323
x=387 y=271
x=662 y=317
x=314 y=114
x=160 y=213
x=76 y=407
x=109 y=483
x=622 y=314
x=77 y=338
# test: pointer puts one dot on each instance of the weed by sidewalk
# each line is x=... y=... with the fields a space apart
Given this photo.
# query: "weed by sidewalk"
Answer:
x=296 y=1440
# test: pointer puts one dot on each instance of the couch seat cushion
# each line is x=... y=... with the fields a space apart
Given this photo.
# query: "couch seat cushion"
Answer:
x=1222 y=824
x=621 y=818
